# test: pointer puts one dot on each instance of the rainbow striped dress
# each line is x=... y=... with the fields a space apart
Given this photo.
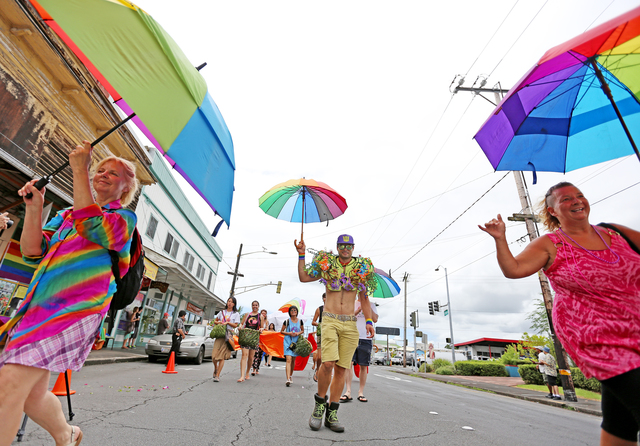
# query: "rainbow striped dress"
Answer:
x=73 y=280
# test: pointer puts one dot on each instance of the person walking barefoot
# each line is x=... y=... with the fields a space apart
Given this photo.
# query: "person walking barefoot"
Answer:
x=292 y=328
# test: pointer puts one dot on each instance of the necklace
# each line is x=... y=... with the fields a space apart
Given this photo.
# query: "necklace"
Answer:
x=591 y=252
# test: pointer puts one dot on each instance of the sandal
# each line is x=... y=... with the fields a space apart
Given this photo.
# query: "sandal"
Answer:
x=78 y=440
x=363 y=399
x=345 y=398
x=315 y=376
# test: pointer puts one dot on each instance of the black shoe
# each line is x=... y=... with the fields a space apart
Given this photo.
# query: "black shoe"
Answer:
x=331 y=418
x=315 y=422
x=557 y=398
x=548 y=396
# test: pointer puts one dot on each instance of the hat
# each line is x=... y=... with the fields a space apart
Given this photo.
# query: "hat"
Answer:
x=537 y=347
x=166 y=315
x=546 y=349
x=345 y=239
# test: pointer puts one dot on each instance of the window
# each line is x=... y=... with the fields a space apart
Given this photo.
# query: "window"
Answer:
x=209 y=280
x=174 y=249
x=151 y=227
x=167 y=243
x=188 y=258
x=200 y=273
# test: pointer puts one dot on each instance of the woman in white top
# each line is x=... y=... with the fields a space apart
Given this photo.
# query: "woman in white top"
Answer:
x=231 y=318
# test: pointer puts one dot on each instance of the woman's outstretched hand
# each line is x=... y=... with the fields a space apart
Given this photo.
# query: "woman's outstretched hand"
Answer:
x=495 y=228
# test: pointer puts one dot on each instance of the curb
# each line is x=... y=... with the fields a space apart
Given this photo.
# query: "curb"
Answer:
x=535 y=399
x=100 y=361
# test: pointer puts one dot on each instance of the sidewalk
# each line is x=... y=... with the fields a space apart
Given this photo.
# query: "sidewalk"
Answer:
x=506 y=387
x=108 y=356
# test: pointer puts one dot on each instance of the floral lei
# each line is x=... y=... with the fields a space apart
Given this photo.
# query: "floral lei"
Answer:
x=356 y=275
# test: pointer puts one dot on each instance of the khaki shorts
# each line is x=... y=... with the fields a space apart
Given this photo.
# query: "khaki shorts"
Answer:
x=339 y=341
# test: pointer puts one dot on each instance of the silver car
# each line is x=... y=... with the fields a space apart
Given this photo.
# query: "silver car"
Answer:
x=197 y=345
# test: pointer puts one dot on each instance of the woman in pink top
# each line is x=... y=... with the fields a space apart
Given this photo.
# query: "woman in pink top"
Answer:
x=596 y=312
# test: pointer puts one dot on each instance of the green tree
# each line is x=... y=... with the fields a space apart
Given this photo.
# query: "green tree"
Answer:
x=539 y=319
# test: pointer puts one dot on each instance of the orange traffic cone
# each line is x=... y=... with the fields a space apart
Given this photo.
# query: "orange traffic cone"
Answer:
x=60 y=387
x=171 y=364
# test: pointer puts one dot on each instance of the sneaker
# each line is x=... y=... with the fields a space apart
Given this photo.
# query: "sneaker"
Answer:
x=557 y=398
x=331 y=418
x=548 y=396
x=315 y=422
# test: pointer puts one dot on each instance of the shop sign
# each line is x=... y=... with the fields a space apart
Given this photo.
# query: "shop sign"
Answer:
x=193 y=309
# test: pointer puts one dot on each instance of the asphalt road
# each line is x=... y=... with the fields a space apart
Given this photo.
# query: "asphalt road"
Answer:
x=135 y=404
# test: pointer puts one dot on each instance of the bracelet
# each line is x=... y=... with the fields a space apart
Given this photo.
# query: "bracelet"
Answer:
x=300 y=256
x=369 y=322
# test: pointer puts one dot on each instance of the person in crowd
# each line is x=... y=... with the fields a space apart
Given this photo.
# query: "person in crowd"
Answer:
x=69 y=295
x=128 y=327
x=317 y=355
x=591 y=268
x=231 y=318
x=267 y=358
x=163 y=325
x=344 y=277
x=551 y=373
x=257 y=358
x=292 y=328
x=541 y=368
x=255 y=321
x=4 y=221
x=362 y=355
x=179 y=333
x=135 y=321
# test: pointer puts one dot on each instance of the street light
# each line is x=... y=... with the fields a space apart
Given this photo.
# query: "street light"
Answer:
x=446 y=278
x=235 y=274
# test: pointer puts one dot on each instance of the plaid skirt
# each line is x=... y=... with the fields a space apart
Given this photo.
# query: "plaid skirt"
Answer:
x=66 y=350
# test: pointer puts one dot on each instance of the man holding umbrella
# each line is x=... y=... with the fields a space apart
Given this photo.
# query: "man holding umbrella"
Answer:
x=345 y=278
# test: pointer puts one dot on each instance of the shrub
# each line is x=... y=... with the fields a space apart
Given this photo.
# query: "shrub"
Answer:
x=425 y=368
x=581 y=382
x=480 y=368
x=437 y=363
x=446 y=370
x=530 y=374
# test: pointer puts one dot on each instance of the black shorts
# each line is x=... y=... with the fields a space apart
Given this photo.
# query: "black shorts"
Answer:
x=621 y=405
x=362 y=355
x=552 y=380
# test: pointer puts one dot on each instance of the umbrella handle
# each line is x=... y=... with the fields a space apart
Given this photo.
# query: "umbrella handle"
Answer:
x=302 y=227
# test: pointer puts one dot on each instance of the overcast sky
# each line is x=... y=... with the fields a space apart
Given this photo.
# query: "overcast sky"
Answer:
x=356 y=94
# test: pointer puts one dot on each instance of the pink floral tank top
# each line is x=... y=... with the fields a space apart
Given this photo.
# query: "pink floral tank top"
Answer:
x=596 y=311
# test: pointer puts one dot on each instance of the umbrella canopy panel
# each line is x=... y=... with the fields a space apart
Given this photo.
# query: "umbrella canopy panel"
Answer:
x=285 y=201
x=387 y=287
x=558 y=118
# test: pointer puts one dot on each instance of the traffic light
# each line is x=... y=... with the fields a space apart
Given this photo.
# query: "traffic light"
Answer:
x=279 y=287
x=412 y=318
x=431 y=312
x=436 y=306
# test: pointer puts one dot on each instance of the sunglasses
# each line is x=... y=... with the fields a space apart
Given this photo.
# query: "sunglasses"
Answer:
x=347 y=247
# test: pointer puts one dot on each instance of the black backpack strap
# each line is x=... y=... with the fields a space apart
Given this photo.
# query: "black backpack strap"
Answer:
x=622 y=234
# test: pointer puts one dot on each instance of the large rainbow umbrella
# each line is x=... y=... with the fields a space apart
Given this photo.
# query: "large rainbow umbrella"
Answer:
x=578 y=106
x=387 y=287
x=145 y=72
x=303 y=201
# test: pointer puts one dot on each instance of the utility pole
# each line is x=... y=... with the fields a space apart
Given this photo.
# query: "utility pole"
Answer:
x=532 y=229
x=405 y=279
x=415 y=350
x=235 y=274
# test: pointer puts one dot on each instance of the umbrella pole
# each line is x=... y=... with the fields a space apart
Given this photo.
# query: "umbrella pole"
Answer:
x=607 y=91
x=42 y=182
x=302 y=227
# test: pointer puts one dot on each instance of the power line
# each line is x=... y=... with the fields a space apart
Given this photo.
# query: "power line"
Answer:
x=449 y=225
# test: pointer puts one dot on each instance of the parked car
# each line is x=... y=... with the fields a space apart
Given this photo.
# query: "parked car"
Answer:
x=379 y=358
x=399 y=359
x=196 y=346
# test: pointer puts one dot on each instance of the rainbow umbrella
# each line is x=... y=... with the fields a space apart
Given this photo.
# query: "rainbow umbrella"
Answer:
x=303 y=201
x=578 y=106
x=387 y=287
x=144 y=70
x=300 y=303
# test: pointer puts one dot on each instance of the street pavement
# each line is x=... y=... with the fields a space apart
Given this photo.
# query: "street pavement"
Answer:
x=122 y=399
x=505 y=386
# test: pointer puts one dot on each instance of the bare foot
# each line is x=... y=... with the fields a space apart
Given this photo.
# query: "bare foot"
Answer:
x=247 y=378
x=240 y=380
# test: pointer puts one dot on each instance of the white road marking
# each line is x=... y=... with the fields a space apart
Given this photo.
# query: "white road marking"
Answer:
x=393 y=378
